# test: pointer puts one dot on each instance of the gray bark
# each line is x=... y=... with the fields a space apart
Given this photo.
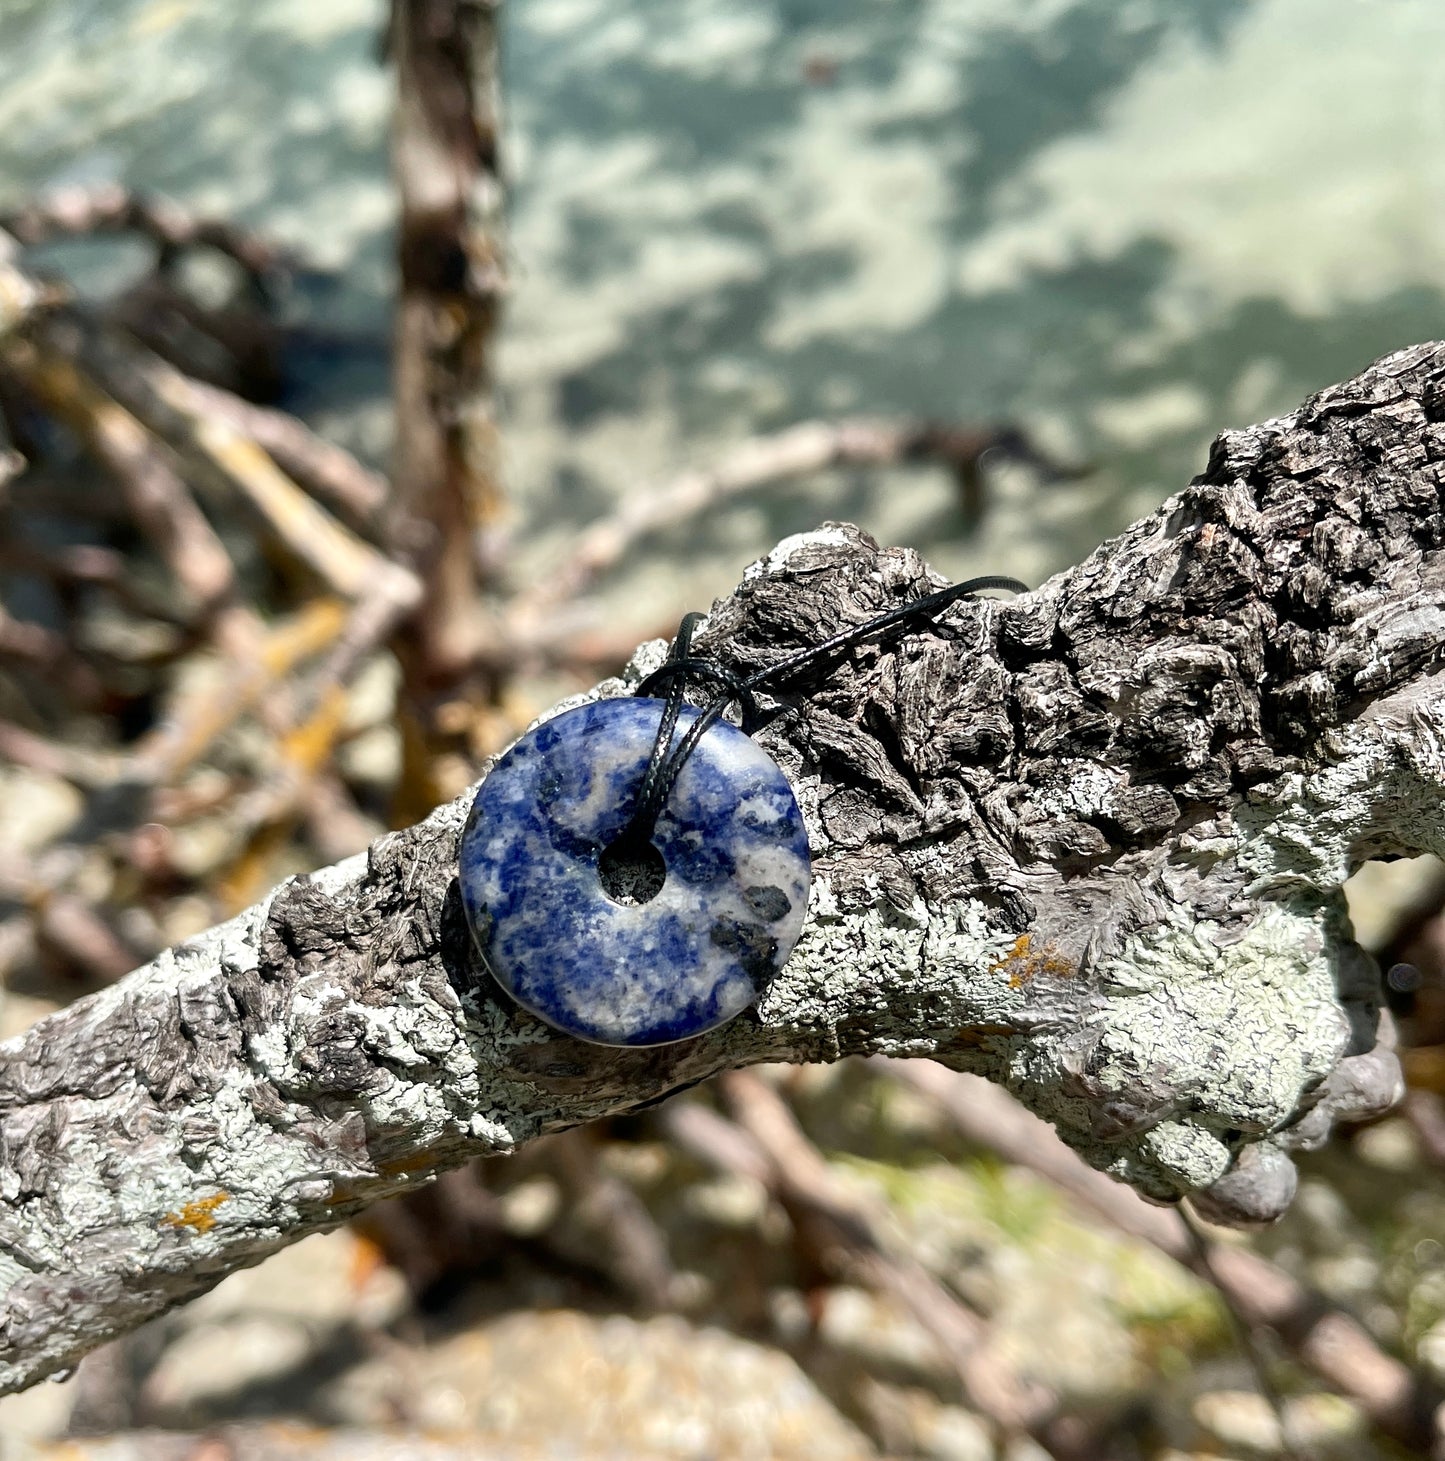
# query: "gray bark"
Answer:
x=1088 y=843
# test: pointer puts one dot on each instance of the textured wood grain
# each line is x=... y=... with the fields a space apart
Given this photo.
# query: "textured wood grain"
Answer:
x=1088 y=843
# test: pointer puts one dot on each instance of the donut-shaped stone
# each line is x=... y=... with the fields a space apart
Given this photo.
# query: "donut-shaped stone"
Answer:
x=733 y=849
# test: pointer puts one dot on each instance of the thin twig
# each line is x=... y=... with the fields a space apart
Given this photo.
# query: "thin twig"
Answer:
x=801 y=450
x=158 y=498
x=79 y=933
x=633 y=1249
x=335 y=825
x=1425 y=1111
x=306 y=738
x=1247 y=1337
x=219 y=452
x=323 y=468
x=66 y=924
x=80 y=765
x=76 y=212
x=87 y=565
x=178 y=741
x=46 y=653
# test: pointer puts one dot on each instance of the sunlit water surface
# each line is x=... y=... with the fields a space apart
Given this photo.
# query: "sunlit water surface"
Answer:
x=1125 y=225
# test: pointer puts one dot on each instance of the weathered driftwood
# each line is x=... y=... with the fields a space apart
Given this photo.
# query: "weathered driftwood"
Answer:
x=1089 y=843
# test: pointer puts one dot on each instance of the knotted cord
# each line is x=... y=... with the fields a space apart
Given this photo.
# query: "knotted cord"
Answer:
x=681 y=666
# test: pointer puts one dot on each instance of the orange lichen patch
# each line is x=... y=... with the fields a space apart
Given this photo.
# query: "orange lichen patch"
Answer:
x=1024 y=963
x=1018 y=949
x=200 y=1214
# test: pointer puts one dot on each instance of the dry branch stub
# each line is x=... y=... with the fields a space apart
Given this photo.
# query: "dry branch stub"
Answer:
x=1088 y=843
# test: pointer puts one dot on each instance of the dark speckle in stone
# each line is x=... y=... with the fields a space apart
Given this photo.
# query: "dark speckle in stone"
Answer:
x=769 y=903
x=751 y=944
x=704 y=863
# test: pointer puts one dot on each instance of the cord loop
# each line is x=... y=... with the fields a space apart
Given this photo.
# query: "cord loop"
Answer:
x=681 y=665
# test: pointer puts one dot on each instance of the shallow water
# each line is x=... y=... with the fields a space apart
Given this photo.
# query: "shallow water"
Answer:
x=1126 y=225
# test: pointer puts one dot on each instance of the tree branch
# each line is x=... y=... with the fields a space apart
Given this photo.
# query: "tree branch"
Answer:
x=1089 y=844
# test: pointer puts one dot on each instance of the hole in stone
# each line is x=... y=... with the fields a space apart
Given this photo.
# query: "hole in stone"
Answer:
x=631 y=872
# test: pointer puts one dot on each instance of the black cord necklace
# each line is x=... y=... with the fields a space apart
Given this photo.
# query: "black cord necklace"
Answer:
x=634 y=886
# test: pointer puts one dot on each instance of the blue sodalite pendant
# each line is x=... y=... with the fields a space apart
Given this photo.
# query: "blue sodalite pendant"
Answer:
x=567 y=925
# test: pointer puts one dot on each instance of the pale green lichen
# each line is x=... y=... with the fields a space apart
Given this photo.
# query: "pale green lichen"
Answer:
x=1246 y=1029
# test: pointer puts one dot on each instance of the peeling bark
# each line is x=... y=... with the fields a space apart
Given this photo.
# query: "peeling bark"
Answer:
x=1088 y=843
